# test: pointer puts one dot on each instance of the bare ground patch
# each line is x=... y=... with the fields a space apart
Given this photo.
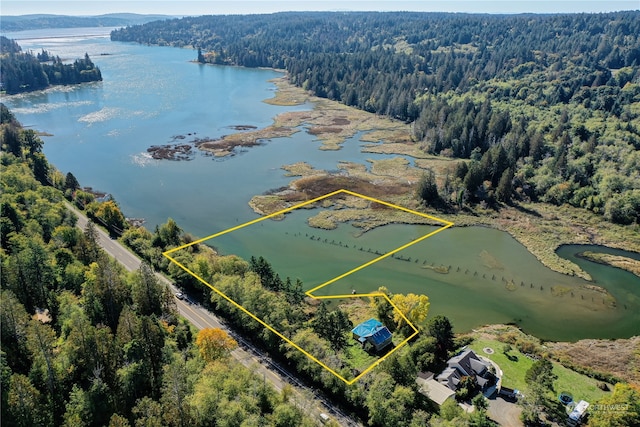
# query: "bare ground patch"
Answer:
x=320 y=130
x=301 y=169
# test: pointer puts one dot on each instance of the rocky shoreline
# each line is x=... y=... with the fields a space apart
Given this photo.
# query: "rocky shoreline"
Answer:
x=225 y=146
x=171 y=152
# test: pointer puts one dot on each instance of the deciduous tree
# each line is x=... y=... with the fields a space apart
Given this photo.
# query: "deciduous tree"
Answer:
x=110 y=214
x=389 y=404
x=214 y=343
x=148 y=413
x=25 y=408
x=413 y=307
x=620 y=409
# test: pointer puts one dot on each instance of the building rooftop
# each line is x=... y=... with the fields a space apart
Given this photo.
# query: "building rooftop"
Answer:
x=435 y=391
x=381 y=335
x=367 y=328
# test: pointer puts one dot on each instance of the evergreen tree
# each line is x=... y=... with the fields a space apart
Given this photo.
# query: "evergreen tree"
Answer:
x=441 y=329
x=70 y=182
x=427 y=191
x=505 y=188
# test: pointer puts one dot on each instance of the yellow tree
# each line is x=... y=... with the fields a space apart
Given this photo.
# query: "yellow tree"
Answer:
x=214 y=343
x=622 y=408
x=413 y=307
x=109 y=212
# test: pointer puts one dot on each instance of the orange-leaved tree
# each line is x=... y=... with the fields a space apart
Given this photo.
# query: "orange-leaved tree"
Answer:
x=214 y=343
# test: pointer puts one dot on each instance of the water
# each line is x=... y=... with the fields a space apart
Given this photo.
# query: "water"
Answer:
x=491 y=278
x=150 y=95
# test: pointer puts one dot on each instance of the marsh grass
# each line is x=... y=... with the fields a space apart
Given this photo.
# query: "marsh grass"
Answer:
x=624 y=263
x=540 y=227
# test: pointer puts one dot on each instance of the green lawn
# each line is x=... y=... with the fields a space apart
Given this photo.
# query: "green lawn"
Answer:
x=578 y=385
x=359 y=359
x=356 y=357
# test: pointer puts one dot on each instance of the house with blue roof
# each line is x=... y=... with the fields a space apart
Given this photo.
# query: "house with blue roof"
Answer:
x=372 y=333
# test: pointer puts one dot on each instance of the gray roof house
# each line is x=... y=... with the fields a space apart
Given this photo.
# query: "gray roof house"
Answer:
x=466 y=364
x=438 y=393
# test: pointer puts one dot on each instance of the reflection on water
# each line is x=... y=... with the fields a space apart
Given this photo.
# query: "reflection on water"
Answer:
x=150 y=95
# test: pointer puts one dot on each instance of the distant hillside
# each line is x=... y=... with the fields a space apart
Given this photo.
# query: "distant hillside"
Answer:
x=26 y=72
x=40 y=21
x=544 y=107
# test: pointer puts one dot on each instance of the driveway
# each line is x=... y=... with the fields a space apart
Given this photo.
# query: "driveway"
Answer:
x=505 y=413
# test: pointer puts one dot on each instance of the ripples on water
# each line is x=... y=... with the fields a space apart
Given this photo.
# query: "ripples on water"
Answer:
x=45 y=107
x=144 y=160
x=106 y=113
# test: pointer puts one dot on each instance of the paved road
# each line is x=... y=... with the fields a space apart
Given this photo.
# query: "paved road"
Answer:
x=306 y=399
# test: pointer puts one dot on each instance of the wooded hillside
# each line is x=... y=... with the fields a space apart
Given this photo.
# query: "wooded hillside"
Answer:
x=546 y=107
x=26 y=72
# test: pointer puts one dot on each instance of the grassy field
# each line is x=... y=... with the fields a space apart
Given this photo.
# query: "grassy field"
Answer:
x=514 y=370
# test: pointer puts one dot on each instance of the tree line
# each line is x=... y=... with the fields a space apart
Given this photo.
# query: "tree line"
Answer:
x=387 y=396
x=555 y=93
x=26 y=72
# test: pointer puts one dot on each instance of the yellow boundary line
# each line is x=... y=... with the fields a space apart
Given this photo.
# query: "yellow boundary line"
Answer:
x=310 y=292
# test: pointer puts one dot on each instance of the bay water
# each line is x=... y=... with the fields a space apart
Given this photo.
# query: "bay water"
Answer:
x=157 y=95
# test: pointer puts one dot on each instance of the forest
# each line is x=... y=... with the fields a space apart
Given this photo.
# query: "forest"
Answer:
x=26 y=72
x=542 y=107
x=41 y=21
x=86 y=343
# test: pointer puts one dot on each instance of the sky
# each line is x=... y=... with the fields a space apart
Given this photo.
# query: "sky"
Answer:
x=215 y=7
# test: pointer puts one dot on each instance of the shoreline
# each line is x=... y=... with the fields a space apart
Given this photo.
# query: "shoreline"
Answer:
x=617 y=261
x=541 y=228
